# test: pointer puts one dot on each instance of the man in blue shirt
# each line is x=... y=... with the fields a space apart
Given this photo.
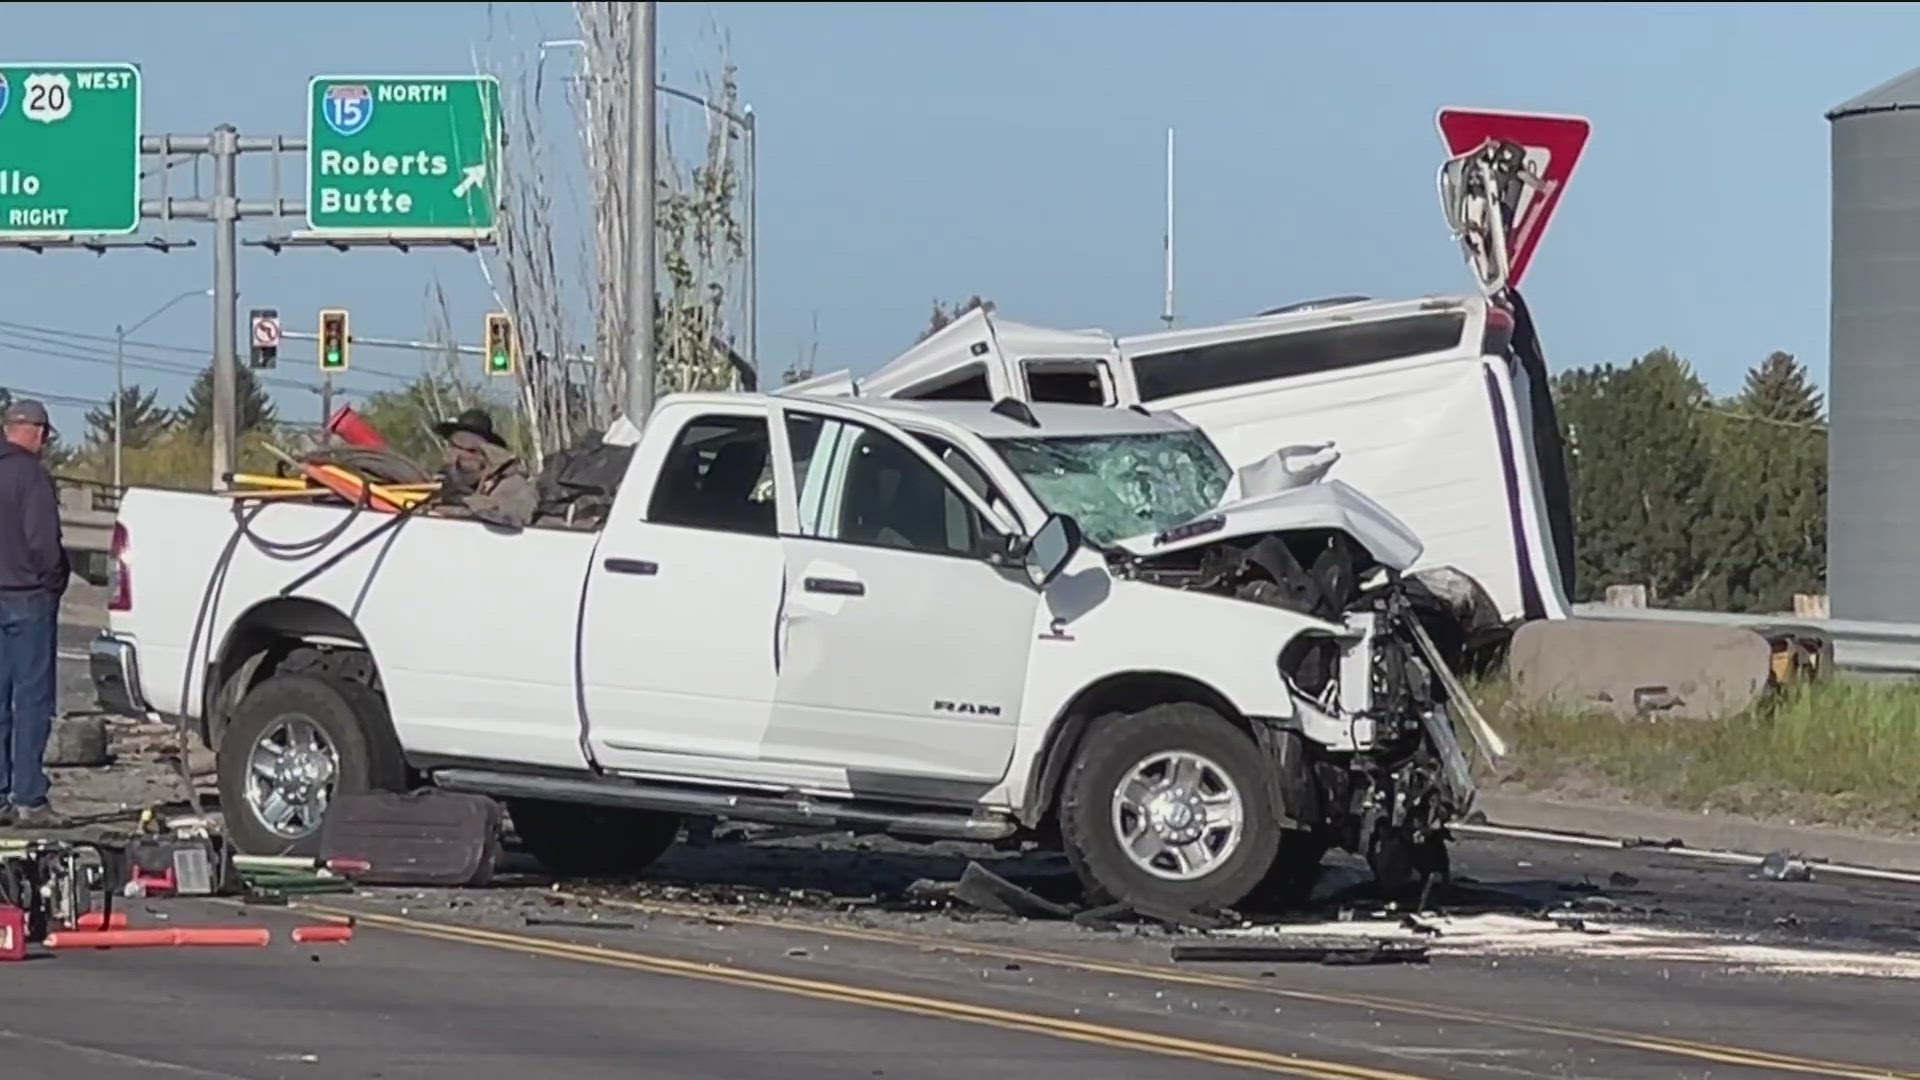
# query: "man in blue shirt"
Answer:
x=33 y=577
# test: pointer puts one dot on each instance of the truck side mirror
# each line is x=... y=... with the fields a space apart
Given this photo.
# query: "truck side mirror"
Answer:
x=1050 y=548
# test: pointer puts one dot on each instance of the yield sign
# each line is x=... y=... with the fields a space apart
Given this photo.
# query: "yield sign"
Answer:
x=1552 y=145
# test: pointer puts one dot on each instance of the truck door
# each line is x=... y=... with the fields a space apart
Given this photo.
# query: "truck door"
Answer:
x=677 y=646
x=903 y=650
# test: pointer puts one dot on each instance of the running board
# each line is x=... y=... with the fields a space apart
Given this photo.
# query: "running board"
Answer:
x=798 y=810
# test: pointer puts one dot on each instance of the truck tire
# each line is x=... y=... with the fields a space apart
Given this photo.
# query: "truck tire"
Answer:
x=574 y=840
x=295 y=744
x=1166 y=810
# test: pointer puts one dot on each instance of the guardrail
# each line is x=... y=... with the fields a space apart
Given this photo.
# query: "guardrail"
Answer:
x=1872 y=648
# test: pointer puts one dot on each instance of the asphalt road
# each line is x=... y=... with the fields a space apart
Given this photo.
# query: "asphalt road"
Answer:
x=797 y=957
x=467 y=990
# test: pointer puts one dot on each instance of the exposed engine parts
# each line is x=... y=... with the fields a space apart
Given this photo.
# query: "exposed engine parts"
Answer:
x=1388 y=794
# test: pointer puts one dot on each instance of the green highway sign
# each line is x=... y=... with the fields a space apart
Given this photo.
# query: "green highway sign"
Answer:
x=69 y=149
x=403 y=154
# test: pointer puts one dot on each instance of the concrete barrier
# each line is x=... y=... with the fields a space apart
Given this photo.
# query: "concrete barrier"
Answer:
x=87 y=510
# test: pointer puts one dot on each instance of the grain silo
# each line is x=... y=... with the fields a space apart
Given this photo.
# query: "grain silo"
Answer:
x=1873 y=452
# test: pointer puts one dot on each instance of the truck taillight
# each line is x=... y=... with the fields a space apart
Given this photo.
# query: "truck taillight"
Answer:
x=1498 y=333
x=119 y=579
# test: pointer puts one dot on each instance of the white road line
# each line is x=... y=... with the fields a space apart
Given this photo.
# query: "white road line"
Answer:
x=72 y=654
x=1692 y=853
x=120 y=1059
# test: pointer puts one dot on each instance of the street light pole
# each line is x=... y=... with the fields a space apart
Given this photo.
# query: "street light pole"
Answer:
x=119 y=393
x=753 y=237
x=120 y=375
x=641 y=191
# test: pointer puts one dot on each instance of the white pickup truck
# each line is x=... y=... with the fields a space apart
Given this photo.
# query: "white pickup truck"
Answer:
x=957 y=620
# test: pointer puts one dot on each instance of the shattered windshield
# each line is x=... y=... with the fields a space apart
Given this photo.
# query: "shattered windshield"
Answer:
x=1120 y=486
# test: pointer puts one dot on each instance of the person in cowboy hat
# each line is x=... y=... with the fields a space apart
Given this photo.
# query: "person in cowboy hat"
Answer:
x=482 y=475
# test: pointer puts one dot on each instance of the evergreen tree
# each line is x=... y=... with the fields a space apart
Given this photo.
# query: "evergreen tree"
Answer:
x=1640 y=462
x=255 y=408
x=1769 y=492
x=1778 y=389
x=142 y=421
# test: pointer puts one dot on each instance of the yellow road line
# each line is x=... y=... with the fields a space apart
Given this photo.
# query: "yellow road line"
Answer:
x=1659 y=1044
x=1057 y=1027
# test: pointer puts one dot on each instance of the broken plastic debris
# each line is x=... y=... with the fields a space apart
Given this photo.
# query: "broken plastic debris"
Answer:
x=1783 y=866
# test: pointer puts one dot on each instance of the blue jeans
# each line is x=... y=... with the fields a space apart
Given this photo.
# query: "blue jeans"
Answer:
x=29 y=644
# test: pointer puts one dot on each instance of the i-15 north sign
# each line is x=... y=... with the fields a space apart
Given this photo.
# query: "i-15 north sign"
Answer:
x=69 y=149
x=403 y=154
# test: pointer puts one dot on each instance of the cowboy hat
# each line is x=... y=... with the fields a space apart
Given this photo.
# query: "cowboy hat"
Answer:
x=474 y=422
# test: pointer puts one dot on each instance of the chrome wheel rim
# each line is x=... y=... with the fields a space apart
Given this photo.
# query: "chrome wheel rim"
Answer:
x=1178 y=815
x=291 y=768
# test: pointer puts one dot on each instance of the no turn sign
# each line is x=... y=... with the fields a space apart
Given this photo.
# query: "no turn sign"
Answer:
x=265 y=336
x=266 y=329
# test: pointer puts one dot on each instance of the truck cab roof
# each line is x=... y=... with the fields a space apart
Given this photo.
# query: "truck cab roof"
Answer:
x=988 y=420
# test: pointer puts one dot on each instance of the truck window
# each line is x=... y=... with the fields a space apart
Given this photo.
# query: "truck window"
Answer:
x=968 y=384
x=1283 y=355
x=1068 y=382
x=718 y=475
x=859 y=486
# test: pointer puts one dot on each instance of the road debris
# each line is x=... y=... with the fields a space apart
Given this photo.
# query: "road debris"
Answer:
x=1785 y=866
x=578 y=924
x=1308 y=950
x=983 y=889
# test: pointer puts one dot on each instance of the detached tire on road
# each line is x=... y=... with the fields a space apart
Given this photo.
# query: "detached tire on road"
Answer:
x=1166 y=810
x=295 y=744
x=574 y=840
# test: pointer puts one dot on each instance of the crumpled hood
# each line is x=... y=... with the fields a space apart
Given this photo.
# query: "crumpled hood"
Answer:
x=1326 y=504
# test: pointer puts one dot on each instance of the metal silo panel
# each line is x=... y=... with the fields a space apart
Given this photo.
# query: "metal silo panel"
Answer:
x=1873 y=503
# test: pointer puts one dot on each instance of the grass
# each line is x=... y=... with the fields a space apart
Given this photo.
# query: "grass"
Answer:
x=1836 y=751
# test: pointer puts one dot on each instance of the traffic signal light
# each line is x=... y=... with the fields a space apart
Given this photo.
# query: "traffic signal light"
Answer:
x=333 y=340
x=500 y=350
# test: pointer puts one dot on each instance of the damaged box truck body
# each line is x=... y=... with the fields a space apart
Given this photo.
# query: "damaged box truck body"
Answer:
x=1432 y=407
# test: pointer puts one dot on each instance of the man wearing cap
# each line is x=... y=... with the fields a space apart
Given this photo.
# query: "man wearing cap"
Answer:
x=482 y=475
x=33 y=577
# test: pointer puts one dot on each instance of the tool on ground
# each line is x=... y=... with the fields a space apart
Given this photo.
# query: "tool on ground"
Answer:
x=316 y=935
x=53 y=884
x=179 y=866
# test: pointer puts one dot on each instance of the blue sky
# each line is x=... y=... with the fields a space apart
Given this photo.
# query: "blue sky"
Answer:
x=918 y=151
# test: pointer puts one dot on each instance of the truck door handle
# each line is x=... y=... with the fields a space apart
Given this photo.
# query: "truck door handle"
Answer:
x=632 y=566
x=835 y=587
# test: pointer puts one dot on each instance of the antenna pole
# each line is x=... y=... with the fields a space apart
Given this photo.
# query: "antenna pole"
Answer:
x=1166 y=313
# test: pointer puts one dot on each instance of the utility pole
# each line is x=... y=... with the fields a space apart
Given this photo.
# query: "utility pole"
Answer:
x=640 y=200
x=119 y=392
x=1166 y=312
x=225 y=150
x=326 y=408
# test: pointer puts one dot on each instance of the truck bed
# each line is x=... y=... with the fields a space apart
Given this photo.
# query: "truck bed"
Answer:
x=476 y=595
